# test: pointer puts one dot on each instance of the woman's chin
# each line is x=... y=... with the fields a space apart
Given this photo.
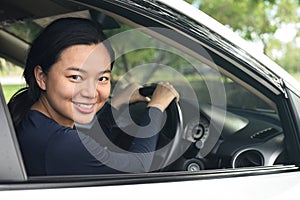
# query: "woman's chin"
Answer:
x=84 y=119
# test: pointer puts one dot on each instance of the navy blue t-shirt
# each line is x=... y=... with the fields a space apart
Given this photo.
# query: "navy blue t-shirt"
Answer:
x=51 y=149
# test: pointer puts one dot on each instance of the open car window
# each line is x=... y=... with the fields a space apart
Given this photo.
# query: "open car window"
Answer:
x=223 y=105
x=228 y=120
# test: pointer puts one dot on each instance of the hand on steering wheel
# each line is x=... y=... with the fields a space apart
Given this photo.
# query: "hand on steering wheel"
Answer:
x=131 y=90
x=163 y=95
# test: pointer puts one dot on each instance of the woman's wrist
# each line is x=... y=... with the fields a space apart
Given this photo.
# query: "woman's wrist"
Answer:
x=156 y=105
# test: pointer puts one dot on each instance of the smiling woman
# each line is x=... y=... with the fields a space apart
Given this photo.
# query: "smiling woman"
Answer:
x=78 y=83
x=68 y=75
x=44 y=54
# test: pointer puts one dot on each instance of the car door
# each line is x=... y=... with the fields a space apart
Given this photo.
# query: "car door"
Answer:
x=238 y=137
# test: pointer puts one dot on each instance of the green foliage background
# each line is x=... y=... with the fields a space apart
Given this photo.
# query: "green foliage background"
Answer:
x=258 y=21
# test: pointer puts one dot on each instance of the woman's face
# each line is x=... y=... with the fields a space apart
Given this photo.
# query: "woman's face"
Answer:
x=78 y=84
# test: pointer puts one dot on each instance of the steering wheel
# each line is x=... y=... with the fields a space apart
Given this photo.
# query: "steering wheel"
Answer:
x=169 y=136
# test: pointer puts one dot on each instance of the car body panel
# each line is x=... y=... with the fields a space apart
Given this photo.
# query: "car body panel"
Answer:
x=261 y=187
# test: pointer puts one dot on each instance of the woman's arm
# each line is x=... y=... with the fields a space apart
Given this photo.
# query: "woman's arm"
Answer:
x=74 y=152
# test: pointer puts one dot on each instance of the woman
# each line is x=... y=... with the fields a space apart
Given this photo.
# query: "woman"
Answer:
x=68 y=76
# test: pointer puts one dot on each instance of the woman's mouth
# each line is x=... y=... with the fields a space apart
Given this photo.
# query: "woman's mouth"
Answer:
x=84 y=108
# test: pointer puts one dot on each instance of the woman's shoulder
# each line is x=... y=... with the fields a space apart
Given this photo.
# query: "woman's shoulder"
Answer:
x=37 y=122
x=37 y=119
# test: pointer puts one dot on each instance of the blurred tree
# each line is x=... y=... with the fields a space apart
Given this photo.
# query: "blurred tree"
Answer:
x=26 y=30
x=287 y=55
x=258 y=20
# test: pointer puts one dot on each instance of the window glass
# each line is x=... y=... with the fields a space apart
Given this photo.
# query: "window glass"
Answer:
x=11 y=78
x=135 y=49
x=224 y=123
x=27 y=30
x=218 y=106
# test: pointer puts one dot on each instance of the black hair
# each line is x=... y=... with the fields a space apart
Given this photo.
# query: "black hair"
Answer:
x=46 y=50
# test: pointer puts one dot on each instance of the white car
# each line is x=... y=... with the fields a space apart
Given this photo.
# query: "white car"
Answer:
x=234 y=134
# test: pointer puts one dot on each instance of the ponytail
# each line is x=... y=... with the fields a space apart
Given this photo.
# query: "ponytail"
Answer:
x=19 y=105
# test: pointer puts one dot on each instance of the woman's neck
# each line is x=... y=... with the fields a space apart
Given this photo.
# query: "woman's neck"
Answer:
x=43 y=106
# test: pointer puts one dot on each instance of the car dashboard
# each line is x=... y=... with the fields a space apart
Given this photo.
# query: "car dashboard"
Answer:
x=229 y=138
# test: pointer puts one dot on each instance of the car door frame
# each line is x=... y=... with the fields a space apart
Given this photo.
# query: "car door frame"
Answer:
x=19 y=180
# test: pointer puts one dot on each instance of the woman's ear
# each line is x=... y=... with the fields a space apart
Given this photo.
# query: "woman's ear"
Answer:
x=40 y=77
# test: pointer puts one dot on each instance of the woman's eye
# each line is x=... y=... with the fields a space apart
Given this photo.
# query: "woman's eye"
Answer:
x=75 y=77
x=103 y=79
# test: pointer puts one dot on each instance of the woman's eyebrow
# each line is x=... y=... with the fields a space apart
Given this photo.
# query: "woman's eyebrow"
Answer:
x=76 y=69
x=84 y=71
x=105 y=71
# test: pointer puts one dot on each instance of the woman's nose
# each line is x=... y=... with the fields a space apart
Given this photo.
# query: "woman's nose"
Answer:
x=89 y=89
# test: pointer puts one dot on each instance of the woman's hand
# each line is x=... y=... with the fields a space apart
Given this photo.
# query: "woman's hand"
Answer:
x=129 y=95
x=163 y=95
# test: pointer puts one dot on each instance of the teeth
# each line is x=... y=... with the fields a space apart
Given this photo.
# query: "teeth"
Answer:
x=85 y=105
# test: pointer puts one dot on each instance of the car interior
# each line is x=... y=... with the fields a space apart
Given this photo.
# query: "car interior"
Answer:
x=9 y=149
x=223 y=120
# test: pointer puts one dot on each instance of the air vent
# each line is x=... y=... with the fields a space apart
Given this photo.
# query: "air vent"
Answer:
x=266 y=133
x=249 y=158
